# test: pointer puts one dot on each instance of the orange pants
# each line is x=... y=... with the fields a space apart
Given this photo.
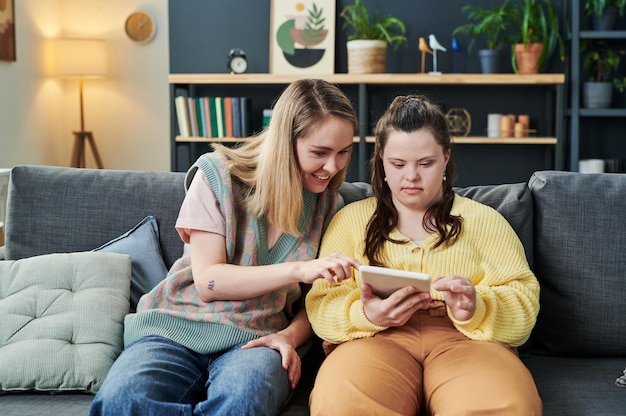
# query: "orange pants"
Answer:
x=424 y=367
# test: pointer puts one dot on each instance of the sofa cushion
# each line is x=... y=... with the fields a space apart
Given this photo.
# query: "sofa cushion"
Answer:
x=580 y=264
x=141 y=243
x=61 y=320
x=71 y=210
x=578 y=385
x=515 y=204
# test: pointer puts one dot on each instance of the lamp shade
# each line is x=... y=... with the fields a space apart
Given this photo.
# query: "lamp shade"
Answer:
x=79 y=58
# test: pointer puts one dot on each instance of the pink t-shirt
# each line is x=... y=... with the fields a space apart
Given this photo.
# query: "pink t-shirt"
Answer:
x=200 y=210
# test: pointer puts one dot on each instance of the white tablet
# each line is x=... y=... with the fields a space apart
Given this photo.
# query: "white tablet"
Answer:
x=385 y=281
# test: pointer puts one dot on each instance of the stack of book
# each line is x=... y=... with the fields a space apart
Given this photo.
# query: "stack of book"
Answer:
x=215 y=117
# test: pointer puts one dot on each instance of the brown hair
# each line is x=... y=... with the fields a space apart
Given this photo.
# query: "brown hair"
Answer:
x=268 y=164
x=408 y=114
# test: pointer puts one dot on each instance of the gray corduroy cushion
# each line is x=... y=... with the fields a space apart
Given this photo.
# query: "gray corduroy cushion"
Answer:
x=580 y=237
x=61 y=319
x=69 y=210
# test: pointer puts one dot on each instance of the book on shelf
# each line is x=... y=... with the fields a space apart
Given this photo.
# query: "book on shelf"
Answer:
x=207 y=116
x=237 y=117
x=193 y=121
x=219 y=110
x=213 y=117
x=213 y=112
x=228 y=116
x=182 y=115
x=246 y=120
x=198 y=103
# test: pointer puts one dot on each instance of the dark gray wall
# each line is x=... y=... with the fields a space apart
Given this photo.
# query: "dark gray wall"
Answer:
x=203 y=31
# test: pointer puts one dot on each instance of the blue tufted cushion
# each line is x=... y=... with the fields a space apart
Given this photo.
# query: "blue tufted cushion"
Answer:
x=61 y=320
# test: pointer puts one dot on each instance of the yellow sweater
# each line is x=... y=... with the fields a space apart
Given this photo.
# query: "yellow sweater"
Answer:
x=488 y=252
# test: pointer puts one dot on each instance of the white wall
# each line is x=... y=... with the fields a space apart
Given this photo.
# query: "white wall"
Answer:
x=128 y=111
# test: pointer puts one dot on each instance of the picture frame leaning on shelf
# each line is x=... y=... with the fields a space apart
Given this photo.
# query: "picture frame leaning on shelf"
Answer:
x=302 y=37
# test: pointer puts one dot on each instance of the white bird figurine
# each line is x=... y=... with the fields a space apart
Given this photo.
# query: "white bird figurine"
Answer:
x=435 y=46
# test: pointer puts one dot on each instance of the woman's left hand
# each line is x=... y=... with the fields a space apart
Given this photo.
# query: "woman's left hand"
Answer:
x=290 y=358
x=459 y=294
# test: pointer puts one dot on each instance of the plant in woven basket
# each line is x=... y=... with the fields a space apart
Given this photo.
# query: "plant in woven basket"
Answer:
x=388 y=28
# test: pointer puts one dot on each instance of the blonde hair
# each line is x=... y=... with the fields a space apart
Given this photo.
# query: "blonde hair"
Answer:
x=268 y=165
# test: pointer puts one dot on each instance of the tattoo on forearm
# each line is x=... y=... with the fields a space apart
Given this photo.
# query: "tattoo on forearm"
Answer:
x=211 y=285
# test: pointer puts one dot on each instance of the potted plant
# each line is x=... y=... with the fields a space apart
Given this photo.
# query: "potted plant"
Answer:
x=367 y=43
x=494 y=25
x=604 y=12
x=599 y=60
x=539 y=37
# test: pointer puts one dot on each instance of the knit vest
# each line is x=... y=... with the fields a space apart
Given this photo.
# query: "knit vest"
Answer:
x=173 y=308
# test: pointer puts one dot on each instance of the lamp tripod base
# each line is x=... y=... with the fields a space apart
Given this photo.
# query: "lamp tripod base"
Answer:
x=78 y=152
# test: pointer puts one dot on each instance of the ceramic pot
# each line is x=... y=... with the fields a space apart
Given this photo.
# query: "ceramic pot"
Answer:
x=367 y=56
x=491 y=61
x=526 y=57
x=597 y=94
x=607 y=20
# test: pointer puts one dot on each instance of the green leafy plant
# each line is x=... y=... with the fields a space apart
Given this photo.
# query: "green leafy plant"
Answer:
x=493 y=24
x=387 y=28
x=540 y=24
x=600 y=60
x=597 y=6
x=620 y=84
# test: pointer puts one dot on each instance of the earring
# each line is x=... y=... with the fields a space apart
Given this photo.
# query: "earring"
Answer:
x=385 y=179
x=444 y=177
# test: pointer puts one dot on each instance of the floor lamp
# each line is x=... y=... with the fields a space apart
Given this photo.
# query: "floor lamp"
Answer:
x=81 y=59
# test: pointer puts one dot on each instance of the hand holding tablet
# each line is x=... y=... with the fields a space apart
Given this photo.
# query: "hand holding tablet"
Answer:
x=385 y=281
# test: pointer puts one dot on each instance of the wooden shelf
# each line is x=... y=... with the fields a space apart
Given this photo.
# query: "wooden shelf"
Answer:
x=370 y=139
x=363 y=81
x=381 y=79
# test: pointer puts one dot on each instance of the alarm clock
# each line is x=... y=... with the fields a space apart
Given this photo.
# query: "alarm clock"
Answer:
x=237 y=62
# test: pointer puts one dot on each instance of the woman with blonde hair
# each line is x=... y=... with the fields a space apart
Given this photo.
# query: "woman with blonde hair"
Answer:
x=219 y=334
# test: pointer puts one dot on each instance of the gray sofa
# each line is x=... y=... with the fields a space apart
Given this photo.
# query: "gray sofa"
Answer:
x=573 y=227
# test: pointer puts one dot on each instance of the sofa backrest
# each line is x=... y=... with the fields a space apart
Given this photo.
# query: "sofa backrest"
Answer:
x=513 y=201
x=54 y=209
x=59 y=210
x=580 y=238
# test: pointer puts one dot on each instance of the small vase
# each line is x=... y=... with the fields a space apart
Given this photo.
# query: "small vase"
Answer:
x=607 y=20
x=597 y=94
x=491 y=61
x=527 y=57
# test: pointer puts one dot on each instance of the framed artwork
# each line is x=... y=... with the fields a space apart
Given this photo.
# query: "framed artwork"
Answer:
x=7 y=30
x=302 y=37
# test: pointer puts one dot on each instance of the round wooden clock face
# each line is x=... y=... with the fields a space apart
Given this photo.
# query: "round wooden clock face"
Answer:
x=140 y=27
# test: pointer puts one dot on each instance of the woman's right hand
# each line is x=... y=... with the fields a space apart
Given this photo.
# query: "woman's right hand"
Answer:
x=333 y=268
x=394 y=310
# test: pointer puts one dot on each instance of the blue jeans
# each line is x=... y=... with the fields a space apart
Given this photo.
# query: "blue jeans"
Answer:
x=157 y=376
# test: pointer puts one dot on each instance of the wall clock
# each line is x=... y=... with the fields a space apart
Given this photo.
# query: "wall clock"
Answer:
x=140 y=27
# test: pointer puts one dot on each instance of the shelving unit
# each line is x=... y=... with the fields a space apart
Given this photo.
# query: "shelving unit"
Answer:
x=553 y=83
x=575 y=112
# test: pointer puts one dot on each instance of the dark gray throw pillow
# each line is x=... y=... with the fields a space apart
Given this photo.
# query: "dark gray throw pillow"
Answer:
x=142 y=244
